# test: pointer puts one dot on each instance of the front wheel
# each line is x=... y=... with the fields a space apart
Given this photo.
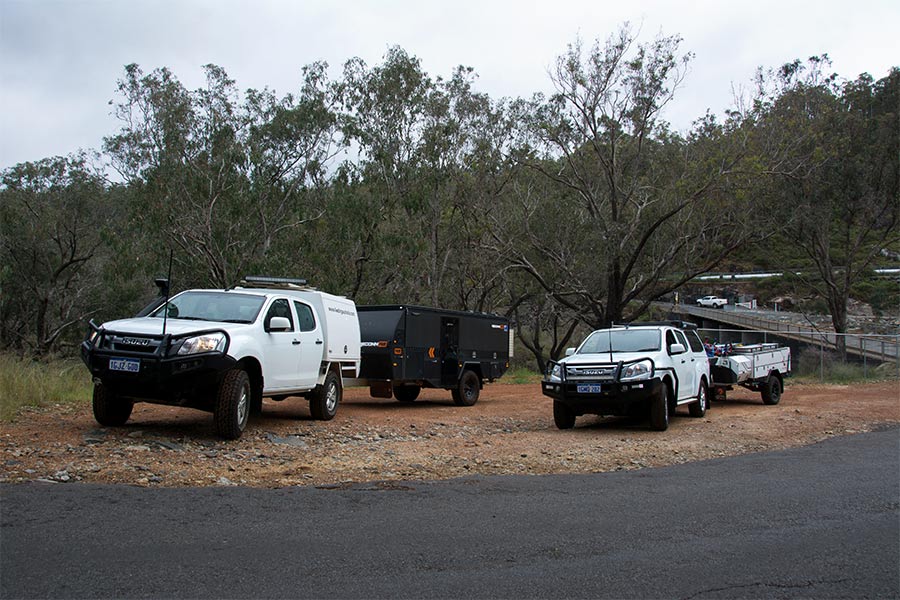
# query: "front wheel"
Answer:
x=771 y=391
x=109 y=409
x=323 y=403
x=659 y=409
x=232 y=408
x=466 y=393
x=563 y=416
x=698 y=408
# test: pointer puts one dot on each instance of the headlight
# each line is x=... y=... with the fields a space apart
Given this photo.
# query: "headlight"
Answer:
x=636 y=371
x=554 y=372
x=210 y=342
x=93 y=335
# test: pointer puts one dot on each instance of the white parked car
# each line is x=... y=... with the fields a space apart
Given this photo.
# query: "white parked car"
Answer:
x=712 y=302
x=223 y=350
x=643 y=369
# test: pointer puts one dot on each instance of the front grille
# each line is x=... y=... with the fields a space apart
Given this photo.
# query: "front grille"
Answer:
x=591 y=373
x=131 y=344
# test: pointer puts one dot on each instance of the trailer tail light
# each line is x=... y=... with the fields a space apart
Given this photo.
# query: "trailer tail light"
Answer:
x=398 y=351
x=382 y=344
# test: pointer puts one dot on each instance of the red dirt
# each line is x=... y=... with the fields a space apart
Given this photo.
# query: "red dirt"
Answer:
x=509 y=431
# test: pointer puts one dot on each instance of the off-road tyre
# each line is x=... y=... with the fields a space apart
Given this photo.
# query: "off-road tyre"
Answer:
x=109 y=409
x=659 y=409
x=771 y=390
x=233 y=402
x=467 y=391
x=324 y=400
x=406 y=393
x=698 y=409
x=563 y=416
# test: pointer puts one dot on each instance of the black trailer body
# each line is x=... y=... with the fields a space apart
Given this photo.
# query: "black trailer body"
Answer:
x=406 y=348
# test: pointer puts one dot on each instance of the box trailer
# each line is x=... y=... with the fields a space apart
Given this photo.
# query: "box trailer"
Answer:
x=407 y=348
x=757 y=367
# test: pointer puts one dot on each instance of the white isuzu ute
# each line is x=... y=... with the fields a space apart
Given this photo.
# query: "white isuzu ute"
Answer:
x=224 y=350
x=642 y=369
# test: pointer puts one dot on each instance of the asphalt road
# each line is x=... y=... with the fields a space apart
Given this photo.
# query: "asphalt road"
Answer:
x=814 y=522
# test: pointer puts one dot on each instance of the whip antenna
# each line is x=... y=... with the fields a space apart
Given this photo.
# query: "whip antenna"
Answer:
x=168 y=292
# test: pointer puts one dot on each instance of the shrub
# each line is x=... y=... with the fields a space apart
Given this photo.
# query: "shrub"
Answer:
x=26 y=382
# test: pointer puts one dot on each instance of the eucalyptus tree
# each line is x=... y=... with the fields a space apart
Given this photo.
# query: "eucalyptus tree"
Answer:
x=834 y=161
x=639 y=210
x=220 y=177
x=53 y=218
x=428 y=163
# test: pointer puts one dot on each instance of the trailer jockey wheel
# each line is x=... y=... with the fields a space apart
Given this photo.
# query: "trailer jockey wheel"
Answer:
x=466 y=393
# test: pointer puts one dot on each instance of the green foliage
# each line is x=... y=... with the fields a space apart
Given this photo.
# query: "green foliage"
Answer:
x=390 y=184
x=812 y=366
x=883 y=295
x=521 y=375
x=25 y=382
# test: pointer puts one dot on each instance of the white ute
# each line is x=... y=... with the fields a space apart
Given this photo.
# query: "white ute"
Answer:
x=712 y=302
x=642 y=369
x=224 y=350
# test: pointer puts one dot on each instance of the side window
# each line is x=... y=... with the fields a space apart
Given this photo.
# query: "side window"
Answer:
x=694 y=339
x=280 y=308
x=305 y=318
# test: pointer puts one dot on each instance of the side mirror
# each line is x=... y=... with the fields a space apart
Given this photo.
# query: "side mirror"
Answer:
x=676 y=349
x=279 y=324
x=570 y=351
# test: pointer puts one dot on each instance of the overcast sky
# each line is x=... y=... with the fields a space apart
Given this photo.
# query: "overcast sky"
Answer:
x=60 y=59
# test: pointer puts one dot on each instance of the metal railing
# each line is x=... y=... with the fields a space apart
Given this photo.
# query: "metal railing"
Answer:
x=876 y=346
x=884 y=348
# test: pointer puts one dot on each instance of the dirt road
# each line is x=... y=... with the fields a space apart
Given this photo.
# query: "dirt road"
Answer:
x=510 y=430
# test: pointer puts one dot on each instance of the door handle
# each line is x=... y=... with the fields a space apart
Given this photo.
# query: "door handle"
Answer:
x=296 y=342
x=319 y=342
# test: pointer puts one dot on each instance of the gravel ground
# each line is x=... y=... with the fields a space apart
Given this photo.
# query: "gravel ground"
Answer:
x=509 y=431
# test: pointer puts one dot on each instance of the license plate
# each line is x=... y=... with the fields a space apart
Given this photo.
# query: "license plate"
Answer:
x=589 y=389
x=125 y=364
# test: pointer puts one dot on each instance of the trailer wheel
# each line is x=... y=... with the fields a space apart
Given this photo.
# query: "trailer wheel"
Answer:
x=109 y=409
x=324 y=400
x=771 y=390
x=563 y=416
x=659 y=409
x=466 y=393
x=406 y=393
x=698 y=408
x=232 y=408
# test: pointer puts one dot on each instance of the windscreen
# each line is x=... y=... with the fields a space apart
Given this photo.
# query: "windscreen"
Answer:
x=621 y=340
x=213 y=306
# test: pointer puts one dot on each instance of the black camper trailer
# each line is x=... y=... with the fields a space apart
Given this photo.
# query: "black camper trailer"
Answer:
x=406 y=348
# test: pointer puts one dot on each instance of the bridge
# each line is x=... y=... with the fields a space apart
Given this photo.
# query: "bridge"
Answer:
x=751 y=326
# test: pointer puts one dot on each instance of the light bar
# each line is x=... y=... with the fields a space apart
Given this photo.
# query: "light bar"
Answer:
x=274 y=280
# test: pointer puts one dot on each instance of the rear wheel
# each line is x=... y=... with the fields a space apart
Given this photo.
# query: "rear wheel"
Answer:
x=771 y=390
x=698 y=408
x=466 y=393
x=563 y=416
x=232 y=408
x=323 y=403
x=659 y=409
x=406 y=393
x=110 y=410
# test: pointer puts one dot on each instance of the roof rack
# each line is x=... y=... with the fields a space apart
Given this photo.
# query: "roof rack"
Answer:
x=672 y=323
x=258 y=281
